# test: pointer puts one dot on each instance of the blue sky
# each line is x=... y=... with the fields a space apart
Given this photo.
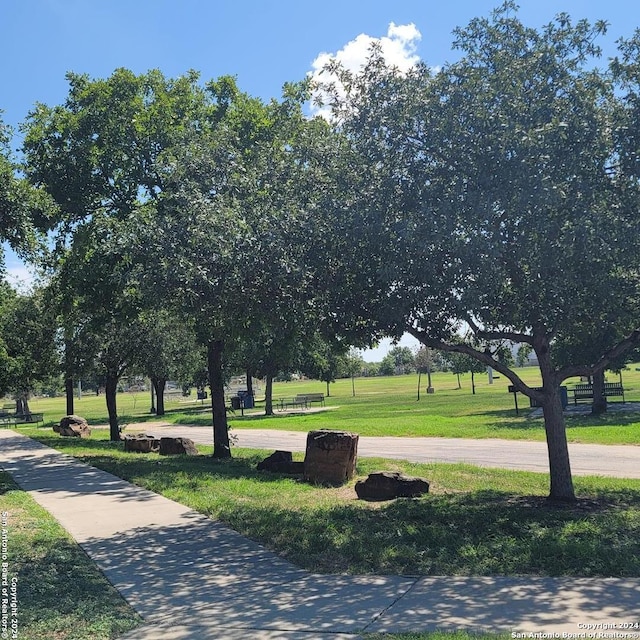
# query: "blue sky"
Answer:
x=263 y=43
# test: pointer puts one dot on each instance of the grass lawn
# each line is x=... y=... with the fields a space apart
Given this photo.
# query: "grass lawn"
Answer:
x=61 y=594
x=474 y=521
x=388 y=406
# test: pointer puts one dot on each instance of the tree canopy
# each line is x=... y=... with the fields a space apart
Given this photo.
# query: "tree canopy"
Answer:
x=499 y=203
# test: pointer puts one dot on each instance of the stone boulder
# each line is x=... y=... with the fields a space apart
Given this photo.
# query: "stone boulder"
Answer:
x=141 y=443
x=73 y=427
x=281 y=462
x=387 y=485
x=177 y=447
x=330 y=457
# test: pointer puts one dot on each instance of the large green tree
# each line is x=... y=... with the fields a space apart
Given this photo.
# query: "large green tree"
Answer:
x=97 y=156
x=230 y=233
x=492 y=198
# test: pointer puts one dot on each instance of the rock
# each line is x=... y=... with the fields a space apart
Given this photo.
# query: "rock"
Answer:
x=330 y=457
x=73 y=427
x=386 y=485
x=177 y=446
x=281 y=462
x=141 y=443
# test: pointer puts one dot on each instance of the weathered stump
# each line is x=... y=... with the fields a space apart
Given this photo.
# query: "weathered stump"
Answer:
x=73 y=427
x=141 y=443
x=386 y=485
x=177 y=447
x=330 y=457
x=281 y=462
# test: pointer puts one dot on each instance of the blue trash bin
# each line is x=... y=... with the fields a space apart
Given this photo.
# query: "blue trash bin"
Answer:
x=247 y=399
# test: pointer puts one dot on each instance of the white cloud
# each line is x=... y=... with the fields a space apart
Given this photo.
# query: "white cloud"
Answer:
x=398 y=48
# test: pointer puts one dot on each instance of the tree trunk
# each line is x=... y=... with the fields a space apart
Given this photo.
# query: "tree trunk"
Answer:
x=153 y=397
x=419 y=377
x=68 y=391
x=328 y=390
x=458 y=376
x=599 y=405
x=250 y=382
x=111 y=388
x=473 y=384
x=159 y=385
x=221 y=445
x=559 y=466
x=561 y=482
x=268 y=395
x=22 y=405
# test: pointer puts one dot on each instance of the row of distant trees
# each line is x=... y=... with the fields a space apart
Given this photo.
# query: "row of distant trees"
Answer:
x=494 y=199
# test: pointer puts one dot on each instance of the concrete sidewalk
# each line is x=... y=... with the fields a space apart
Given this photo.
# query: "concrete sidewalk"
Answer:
x=193 y=578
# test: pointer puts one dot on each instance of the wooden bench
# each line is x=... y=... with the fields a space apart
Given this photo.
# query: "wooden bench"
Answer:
x=585 y=391
x=14 y=420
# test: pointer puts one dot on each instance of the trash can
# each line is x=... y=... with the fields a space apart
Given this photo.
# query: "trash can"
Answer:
x=235 y=402
x=247 y=399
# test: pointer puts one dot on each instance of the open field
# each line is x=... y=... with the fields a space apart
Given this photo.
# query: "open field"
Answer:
x=388 y=406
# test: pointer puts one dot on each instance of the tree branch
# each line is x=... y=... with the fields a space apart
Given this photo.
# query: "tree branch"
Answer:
x=632 y=340
x=481 y=356
x=513 y=336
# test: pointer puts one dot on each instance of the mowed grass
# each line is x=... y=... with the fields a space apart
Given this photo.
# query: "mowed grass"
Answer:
x=474 y=521
x=61 y=593
x=388 y=406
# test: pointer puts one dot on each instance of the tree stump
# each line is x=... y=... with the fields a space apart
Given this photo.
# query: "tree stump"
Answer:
x=330 y=457
x=177 y=446
x=281 y=462
x=141 y=443
x=387 y=485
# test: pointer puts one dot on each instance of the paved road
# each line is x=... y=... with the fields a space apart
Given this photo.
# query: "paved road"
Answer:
x=621 y=461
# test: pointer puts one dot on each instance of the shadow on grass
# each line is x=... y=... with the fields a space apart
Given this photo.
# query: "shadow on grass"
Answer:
x=481 y=533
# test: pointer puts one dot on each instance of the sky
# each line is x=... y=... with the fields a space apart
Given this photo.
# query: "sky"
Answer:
x=262 y=43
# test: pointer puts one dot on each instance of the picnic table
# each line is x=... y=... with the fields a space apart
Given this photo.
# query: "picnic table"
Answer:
x=302 y=401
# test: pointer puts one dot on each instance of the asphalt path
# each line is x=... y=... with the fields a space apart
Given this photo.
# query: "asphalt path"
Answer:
x=620 y=461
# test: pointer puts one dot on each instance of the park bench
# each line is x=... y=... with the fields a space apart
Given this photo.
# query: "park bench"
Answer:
x=309 y=398
x=14 y=420
x=585 y=391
